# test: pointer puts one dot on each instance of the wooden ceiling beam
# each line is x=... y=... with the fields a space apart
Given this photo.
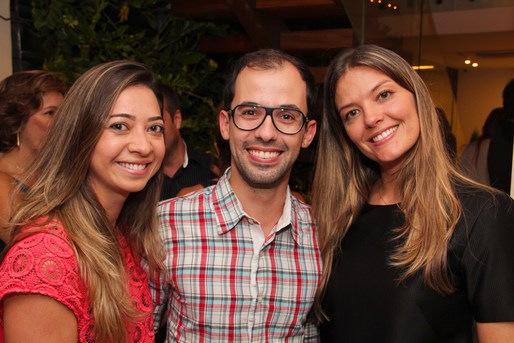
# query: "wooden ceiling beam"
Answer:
x=275 y=4
x=290 y=41
x=263 y=30
x=316 y=40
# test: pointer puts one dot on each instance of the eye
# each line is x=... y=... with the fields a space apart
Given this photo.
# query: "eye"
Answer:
x=384 y=94
x=248 y=112
x=289 y=115
x=156 y=128
x=49 y=113
x=350 y=114
x=118 y=127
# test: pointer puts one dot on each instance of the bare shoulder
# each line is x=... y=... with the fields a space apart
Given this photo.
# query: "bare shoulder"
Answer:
x=32 y=318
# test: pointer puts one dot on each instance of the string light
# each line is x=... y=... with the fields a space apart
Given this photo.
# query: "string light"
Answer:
x=390 y=4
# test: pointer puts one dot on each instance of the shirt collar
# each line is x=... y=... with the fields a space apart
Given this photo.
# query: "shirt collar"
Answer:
x=229 y=210
x=186 y=156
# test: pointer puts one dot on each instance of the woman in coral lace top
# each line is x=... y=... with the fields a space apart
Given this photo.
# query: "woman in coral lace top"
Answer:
x=71 y=272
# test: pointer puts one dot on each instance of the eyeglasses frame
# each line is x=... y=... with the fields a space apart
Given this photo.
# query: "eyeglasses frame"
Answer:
x=269 y=112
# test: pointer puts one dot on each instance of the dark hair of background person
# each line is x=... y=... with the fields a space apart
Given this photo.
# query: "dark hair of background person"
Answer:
x=21 y=95
x=508 y=99
x=450 y=142
x=171 y=100
x=490 y=127
x=499 y=158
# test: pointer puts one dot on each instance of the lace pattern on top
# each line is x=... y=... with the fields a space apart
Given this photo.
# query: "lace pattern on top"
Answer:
x=44 y=263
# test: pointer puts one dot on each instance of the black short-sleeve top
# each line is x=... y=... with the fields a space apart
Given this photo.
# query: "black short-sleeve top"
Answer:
x=365 y=303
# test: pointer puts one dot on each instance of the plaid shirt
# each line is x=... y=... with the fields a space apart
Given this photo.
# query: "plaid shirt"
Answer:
x=225 y=282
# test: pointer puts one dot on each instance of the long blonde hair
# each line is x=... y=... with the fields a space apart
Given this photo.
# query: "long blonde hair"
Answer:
x=59 y=188
x=344 y=177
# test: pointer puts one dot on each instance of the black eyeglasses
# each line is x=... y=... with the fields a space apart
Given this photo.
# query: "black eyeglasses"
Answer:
x=286 y=120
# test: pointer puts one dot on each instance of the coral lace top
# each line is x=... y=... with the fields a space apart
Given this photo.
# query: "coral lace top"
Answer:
x=44 y=263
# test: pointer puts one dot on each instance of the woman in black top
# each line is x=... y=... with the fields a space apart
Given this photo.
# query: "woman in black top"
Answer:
x=413 y=251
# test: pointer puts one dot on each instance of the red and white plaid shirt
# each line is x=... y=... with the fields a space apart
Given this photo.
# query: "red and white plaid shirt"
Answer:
x=225 y=282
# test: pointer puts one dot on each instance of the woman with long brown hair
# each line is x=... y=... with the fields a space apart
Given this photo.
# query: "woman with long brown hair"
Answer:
x=87 y=216
x=412 y=250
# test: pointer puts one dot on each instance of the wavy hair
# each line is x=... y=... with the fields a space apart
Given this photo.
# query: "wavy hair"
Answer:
x=59 y=188
x=21 y=95
x=344 y=177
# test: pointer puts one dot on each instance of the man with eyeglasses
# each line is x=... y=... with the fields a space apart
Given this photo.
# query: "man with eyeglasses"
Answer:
x=242 y=259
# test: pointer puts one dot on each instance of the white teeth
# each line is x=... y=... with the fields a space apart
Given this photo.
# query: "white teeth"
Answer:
x=384 y=134
x=133 y=166
x=264 y=154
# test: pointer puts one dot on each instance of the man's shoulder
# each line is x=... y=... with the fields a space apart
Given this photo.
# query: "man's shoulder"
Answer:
x=192 y=201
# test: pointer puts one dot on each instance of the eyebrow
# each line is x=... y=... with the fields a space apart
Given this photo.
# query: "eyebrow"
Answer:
x=377 y=86
x=133 y=117
x=293 y=106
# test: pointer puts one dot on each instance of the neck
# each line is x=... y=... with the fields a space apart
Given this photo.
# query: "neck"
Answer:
x=265 y=205
x=15 y=162
x=174 y=159
x=385 y=191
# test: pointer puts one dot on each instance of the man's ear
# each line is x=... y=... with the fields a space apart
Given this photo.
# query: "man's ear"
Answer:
x=224 y=122
x=310 y=132
x=177 y=118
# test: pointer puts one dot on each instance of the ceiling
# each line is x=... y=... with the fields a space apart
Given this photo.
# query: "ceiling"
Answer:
x=482 y=30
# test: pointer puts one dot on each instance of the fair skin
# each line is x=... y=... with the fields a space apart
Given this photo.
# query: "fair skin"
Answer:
x=381 y=119
x=13 y=162
x=262 y=159
x=128 y=153
x=175 y=148
x=32 y=134
x=130 y=150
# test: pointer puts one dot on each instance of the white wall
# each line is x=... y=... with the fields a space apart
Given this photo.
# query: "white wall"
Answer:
x=5 y=40
x=478 y=92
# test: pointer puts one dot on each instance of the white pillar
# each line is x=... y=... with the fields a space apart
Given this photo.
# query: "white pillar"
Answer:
x=5 y=40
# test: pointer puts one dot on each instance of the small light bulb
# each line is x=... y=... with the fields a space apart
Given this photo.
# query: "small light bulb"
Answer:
x=467 y=61
x=474 y=65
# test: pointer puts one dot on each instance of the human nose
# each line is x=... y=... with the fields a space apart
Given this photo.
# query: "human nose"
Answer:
x=372 y=117
x=140 y=143
x=267 y=130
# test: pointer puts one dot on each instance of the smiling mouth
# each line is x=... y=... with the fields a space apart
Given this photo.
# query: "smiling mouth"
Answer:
x=264 y=154
x=133 y=166
x=384 y=134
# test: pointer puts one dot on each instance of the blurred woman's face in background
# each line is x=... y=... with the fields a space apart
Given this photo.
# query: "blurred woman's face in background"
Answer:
x=35 y=129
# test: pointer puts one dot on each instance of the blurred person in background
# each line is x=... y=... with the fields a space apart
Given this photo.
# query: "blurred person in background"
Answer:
x=28 y=102
x=183 y=166
x=499 y=158
x=473 y=161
